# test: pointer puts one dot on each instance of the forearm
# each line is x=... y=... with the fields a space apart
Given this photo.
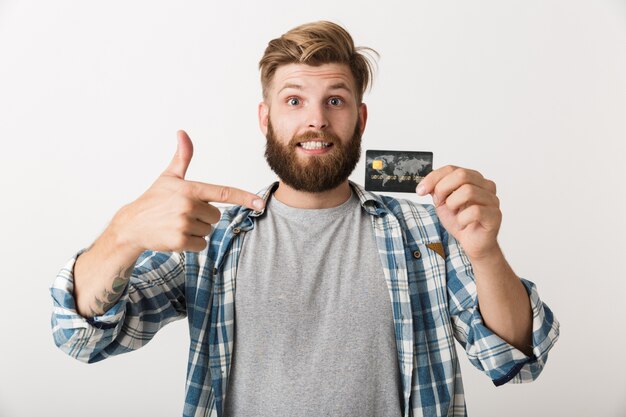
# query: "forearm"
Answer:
x=503 y=300
x=102 y=272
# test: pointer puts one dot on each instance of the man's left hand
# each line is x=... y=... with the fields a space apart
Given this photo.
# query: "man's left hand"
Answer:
x=467 y=206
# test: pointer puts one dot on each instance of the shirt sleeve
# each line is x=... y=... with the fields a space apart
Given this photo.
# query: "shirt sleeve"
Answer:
x=487 y=351
x=154 y=297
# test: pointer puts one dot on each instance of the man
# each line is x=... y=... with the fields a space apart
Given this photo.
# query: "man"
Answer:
x=314 y=297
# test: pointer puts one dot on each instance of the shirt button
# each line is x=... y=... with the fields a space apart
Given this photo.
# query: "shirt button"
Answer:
x=417 y=254
x=214 y=271
x=236 y=230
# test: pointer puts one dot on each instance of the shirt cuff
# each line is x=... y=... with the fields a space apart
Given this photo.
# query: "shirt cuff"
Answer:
x=65 y=312
x=505 y=363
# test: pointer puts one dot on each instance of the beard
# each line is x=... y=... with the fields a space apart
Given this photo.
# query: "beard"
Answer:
x=314 y=173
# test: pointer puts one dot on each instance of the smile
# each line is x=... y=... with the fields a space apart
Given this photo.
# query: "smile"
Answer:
x=314 y=145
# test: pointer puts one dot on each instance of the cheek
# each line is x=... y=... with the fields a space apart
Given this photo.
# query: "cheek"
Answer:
x=345 y=125
x=284 y=127
x=281 y=132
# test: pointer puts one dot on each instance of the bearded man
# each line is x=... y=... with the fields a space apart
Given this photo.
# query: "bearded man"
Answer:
x=313 y=297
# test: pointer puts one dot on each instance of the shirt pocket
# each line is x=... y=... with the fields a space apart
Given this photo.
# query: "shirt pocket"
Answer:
x=426 y=267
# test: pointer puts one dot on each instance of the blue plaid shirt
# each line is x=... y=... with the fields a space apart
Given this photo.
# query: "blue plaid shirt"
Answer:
x=431 y=286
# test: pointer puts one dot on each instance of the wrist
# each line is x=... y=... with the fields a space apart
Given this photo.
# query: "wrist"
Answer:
x=121 y=237
x=489 y=256
x=493 y=268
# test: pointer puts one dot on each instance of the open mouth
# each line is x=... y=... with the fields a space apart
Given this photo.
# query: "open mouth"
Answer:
x=313 y=145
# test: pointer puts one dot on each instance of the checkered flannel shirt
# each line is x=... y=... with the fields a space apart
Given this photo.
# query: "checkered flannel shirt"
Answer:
x=431 y=286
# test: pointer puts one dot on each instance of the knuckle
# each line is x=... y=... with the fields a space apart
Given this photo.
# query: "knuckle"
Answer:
x=475 y=211
x=214 y=217
x=183 y=223
x=437 y=193
x=180 y=242
x=213 y=214
x=224 y=193
x=197 y=244
x=468 y=190
x=463 y=174
x=188 y=188
x=186 y=206
x=448 y=169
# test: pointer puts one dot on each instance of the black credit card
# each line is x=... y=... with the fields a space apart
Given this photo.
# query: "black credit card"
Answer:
x=396 y=171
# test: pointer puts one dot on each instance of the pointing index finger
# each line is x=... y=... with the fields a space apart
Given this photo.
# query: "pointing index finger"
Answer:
x=224 y=194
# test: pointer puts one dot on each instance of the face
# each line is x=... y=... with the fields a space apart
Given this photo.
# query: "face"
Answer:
x=313 y=125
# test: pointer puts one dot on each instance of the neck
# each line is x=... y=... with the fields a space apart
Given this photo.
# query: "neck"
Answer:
x=301 y=199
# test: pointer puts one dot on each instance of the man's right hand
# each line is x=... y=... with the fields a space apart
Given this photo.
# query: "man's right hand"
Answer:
x=175 y=214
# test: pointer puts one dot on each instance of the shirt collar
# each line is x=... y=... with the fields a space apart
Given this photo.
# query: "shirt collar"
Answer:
x=371 y=203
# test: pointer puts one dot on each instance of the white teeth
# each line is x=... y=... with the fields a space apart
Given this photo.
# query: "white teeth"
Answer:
x=314 y=145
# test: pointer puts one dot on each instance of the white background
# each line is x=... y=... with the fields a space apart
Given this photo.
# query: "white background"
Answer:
x=531 y=93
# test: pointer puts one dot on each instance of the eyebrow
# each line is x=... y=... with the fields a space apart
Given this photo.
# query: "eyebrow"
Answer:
x=337 y=86
x=290 y=85
x=341 y=86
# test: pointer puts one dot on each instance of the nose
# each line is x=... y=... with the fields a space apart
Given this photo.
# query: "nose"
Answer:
x=316 y=117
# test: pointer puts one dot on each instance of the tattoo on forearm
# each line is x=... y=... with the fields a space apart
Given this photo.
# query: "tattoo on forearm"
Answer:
x=108 y=298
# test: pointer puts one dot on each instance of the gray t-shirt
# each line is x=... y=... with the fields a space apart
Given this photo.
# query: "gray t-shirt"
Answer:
x=314 y=331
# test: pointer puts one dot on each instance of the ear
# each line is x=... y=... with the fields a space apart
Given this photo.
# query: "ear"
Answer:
x=264 y=112
x=362 y=116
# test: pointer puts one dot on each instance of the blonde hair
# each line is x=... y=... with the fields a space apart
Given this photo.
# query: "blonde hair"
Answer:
x=315 y=44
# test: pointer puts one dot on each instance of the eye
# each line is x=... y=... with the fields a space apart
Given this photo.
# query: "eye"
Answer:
x=293 y=101
x=335 y=101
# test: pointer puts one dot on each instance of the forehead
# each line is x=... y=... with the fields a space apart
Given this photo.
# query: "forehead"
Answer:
x=308 y=76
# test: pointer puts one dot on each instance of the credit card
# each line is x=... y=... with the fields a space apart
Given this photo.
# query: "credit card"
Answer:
x=396 y=171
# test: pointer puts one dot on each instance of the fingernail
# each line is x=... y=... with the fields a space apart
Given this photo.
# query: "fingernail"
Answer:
x=258 y=204
x=435 y=200
x=421 y=189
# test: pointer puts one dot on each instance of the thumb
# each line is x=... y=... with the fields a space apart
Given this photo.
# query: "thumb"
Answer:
x=180 y=162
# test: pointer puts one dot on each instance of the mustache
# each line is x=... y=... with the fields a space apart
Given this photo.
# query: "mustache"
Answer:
x=306 y=136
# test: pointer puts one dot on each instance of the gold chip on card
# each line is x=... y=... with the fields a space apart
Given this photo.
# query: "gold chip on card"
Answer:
x=377 y=164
